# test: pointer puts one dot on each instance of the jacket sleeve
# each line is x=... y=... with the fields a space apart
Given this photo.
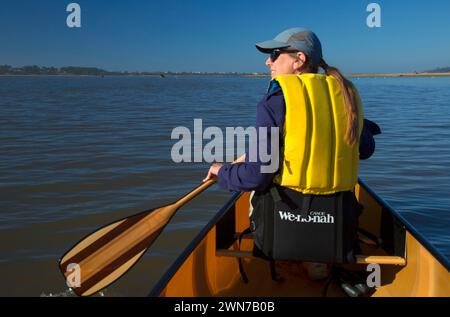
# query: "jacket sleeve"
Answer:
x=247 y=176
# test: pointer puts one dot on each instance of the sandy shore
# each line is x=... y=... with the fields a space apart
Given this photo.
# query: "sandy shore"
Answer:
x=400 y=75
x=378 y=75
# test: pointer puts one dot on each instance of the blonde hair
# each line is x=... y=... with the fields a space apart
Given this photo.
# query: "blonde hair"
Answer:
x=351 y=133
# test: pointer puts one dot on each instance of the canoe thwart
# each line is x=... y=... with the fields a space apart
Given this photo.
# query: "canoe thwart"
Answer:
x=380 y=259
x=360 y=259
x=248 y=236
x=234 y=253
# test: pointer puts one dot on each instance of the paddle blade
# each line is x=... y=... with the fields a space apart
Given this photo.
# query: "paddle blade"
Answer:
x=108 y=253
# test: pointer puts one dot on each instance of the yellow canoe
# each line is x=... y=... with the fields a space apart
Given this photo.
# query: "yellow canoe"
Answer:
x=409 y=265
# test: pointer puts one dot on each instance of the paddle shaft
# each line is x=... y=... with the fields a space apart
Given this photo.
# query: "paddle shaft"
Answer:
x=196 y=191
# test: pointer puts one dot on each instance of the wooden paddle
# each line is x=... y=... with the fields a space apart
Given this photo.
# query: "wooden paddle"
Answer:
x=108 y=253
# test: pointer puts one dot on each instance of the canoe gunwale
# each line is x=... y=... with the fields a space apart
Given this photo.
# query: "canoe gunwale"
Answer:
x=417 y=235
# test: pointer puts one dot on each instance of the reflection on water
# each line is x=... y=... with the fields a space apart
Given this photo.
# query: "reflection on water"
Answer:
x=80 y=152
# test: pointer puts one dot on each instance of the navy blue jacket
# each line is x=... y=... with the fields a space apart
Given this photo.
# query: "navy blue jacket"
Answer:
x=270 y=112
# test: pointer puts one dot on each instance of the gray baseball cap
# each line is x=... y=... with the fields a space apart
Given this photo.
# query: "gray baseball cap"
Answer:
x=296 y=38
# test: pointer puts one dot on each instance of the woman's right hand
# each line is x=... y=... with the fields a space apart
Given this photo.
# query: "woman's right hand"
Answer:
x=213 y=171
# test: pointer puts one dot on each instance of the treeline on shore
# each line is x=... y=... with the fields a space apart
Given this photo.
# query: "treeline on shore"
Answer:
x=439 y=70
x=94 y=71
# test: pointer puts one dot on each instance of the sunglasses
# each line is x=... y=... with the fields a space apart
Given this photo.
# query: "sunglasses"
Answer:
x=277 y=52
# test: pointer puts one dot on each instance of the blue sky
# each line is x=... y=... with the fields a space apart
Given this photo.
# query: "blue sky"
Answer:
x=219 y=35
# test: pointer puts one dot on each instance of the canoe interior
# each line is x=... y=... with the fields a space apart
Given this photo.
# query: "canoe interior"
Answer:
x=203 y=269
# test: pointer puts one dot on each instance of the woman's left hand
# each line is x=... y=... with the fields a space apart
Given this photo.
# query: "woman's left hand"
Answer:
x=213 y=171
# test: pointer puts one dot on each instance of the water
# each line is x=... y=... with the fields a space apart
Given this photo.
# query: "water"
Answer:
x=80 y=152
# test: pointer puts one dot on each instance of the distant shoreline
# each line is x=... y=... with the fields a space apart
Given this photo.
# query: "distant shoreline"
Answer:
x=34 y=70
x=401 y=75
x=377 y=75
x=226 y=74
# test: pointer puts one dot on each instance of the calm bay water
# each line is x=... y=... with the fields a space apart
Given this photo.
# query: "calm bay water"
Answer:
x=77 y=153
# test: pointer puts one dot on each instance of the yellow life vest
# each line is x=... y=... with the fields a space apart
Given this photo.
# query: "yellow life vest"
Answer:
x=315 y=157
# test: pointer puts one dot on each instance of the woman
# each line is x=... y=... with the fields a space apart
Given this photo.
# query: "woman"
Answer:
x=321 y=135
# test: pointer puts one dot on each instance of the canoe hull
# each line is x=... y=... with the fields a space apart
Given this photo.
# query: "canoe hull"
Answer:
x=209 y=266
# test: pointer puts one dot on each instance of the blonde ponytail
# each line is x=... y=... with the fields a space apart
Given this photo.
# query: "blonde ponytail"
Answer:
x=351 y=134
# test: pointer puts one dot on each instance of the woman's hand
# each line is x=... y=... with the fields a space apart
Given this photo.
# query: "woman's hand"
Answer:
x=213 y=171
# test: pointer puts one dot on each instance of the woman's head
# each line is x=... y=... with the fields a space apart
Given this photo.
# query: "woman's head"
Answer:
x=297 y=51
x=293 y=51
x=282 y=62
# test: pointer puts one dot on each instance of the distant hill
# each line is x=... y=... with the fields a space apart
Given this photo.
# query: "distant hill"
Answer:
x=439 y=70
x=36 y=70
x=93 y=71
